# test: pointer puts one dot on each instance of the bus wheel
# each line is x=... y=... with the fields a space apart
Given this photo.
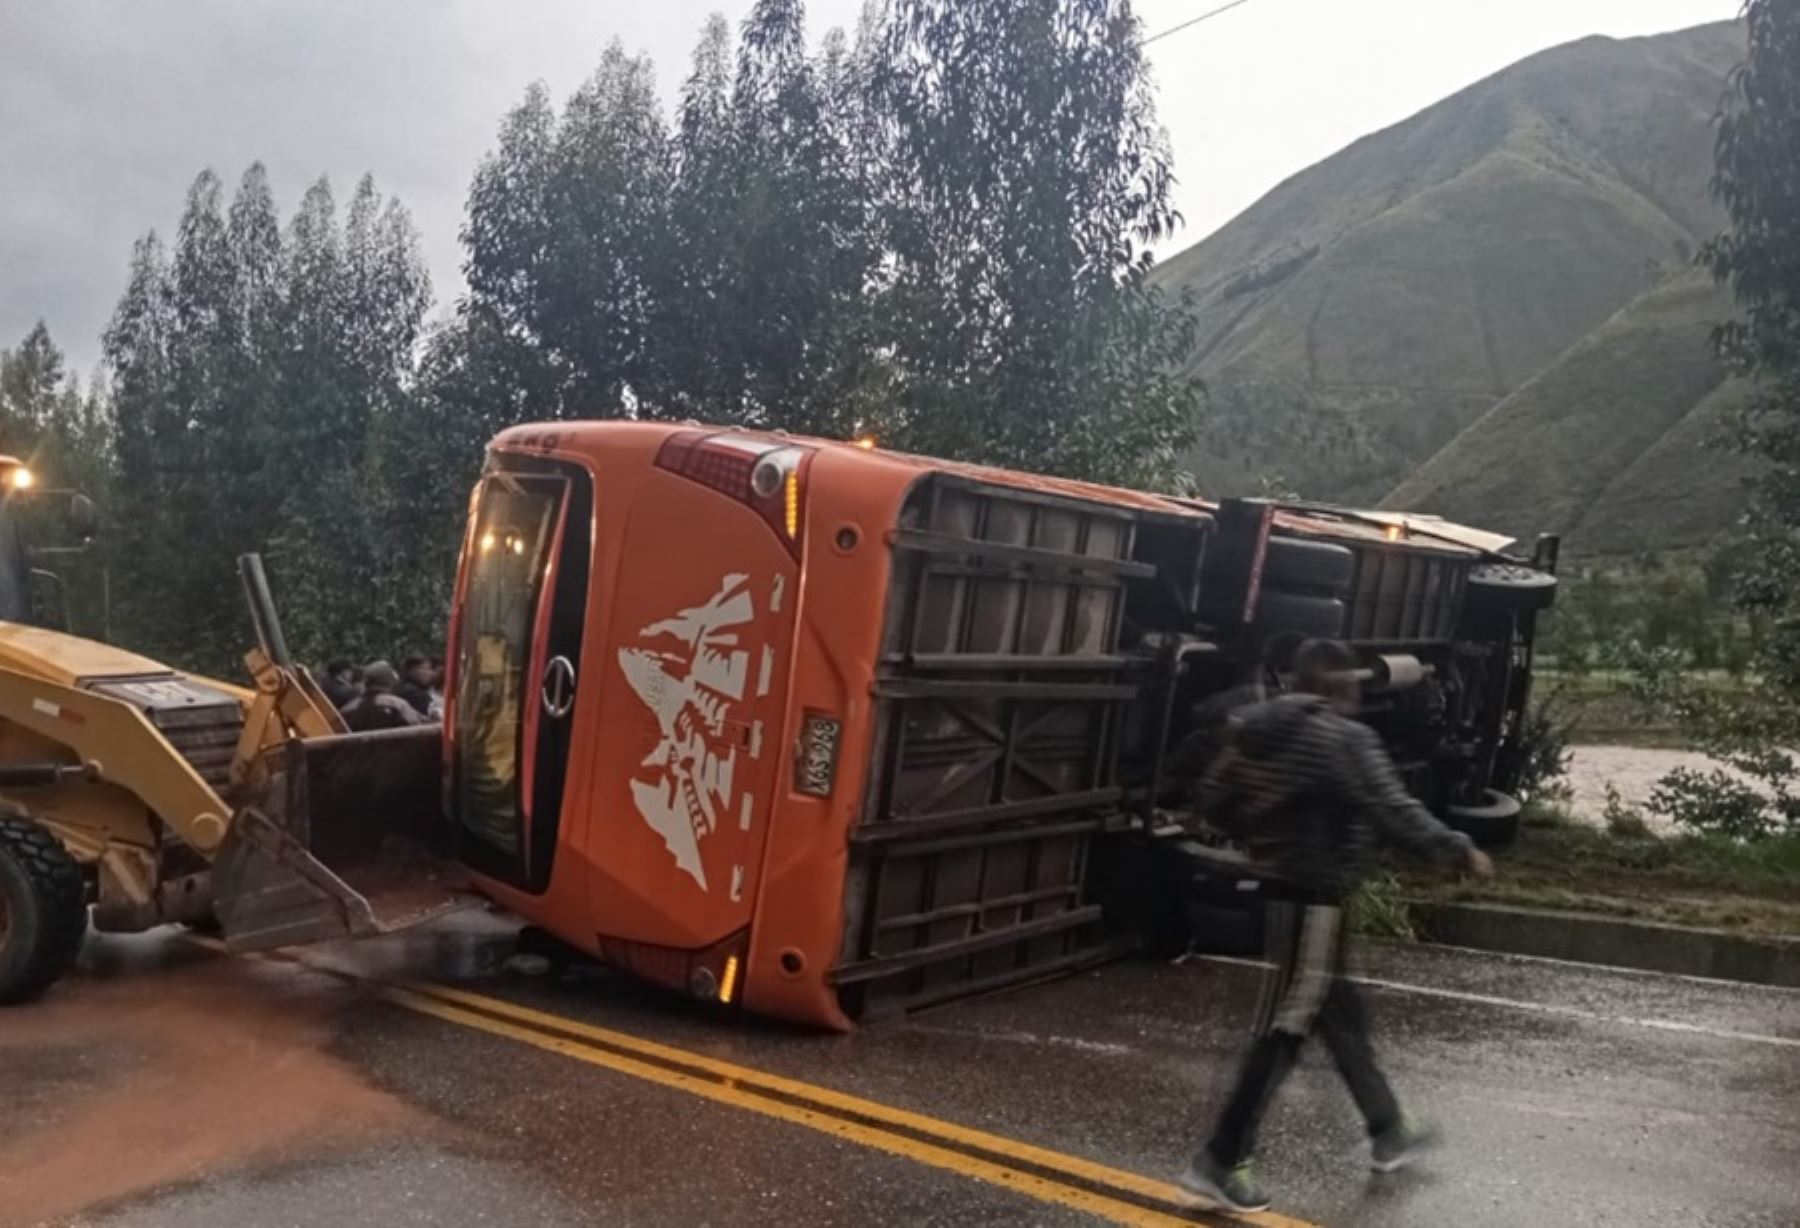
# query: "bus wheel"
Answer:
x=1491 y=823
x=1295 y=565
x=1508 y=586
x=1307 y=617
x=43 y=909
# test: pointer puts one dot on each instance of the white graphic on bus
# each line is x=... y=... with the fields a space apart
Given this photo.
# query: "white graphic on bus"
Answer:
x=691 y=671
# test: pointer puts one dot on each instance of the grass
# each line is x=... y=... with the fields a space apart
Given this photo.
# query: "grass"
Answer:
x=1595 y=683
x=1572 y=450
x=1688 y=879
x=1379 y=909
x=1598 y=707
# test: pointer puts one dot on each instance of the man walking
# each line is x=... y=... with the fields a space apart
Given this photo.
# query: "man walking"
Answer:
x=1311 y=792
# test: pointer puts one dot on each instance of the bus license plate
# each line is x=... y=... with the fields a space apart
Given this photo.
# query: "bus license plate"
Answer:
x=817 y=769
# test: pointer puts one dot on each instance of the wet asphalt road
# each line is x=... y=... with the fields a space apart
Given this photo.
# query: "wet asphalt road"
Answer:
x=170 y=1086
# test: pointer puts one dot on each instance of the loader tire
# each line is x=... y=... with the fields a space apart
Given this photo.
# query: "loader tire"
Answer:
x=43 y=909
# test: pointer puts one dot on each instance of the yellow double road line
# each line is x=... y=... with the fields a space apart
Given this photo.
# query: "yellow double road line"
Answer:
x=1055 y=1177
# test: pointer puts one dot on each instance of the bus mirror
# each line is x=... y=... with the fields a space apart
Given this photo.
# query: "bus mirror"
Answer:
x=1547 y=552
x=84 y=517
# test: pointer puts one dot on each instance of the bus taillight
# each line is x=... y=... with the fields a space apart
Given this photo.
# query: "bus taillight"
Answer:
x=767 y=475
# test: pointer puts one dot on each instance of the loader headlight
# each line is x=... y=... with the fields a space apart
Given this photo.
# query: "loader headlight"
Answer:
x=20 y=478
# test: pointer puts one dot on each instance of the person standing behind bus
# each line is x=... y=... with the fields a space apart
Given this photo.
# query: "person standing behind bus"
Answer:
x=436 y=690
x=415 y=684
x=339 y=683
x=378 y=707
x=1311 y=792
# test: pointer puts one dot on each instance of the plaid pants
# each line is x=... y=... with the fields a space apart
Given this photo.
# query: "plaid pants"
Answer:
x=1307 y=993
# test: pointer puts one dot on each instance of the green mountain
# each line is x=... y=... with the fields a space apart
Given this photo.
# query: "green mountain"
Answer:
x=1375 y=307
x=1608 y=445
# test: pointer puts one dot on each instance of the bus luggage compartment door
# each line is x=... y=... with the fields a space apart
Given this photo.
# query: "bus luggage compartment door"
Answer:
x=1000 y=701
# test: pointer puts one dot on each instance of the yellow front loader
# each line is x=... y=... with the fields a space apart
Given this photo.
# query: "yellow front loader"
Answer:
x=143 y=796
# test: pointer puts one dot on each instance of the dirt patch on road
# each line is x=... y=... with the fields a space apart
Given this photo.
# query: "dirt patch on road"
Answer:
x=161 y=1077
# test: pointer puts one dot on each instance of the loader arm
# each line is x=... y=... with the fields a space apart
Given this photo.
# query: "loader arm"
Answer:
x=288 y=704
x=332 y=835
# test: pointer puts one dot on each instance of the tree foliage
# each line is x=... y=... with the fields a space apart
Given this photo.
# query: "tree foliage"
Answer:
x=769 y=250
x=253 y=370
x=1757 y=179
x=1027 y=179
x=563 y=234
x=1671 y=606
x=64 y=435
x=936 y=231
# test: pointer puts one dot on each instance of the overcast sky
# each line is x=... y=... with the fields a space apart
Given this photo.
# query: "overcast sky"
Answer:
x=108 y=108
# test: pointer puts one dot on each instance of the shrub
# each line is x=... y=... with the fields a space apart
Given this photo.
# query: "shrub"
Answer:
x=1544 y=751
x=1378 y=911
x=1715 y=801
x=1754 y=793
x=1549 y=810
x=1623 y=821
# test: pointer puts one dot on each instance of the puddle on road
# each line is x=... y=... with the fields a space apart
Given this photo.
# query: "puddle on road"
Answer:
x=154 y=1068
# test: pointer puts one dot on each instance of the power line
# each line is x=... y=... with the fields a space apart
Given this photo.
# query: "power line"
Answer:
x=1194 y=21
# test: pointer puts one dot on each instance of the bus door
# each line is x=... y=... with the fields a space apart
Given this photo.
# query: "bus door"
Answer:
x=518 y=665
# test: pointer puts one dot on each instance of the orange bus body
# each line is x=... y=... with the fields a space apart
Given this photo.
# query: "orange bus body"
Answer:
x=823 y=732
x=688 y=580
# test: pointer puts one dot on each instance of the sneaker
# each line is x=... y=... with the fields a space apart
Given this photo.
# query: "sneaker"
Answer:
x=1398 y=1145
x=1233 y=1188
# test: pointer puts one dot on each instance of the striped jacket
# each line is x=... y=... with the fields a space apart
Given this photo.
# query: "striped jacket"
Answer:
x=1312 y=793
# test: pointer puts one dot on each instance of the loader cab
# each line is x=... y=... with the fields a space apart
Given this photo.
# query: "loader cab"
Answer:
x=16 y=604
x=35 y=525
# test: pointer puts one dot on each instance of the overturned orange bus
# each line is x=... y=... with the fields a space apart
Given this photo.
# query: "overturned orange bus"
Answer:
x=826 y=732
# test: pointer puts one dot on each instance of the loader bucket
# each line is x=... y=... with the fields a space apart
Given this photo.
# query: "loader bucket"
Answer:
x=352 y=844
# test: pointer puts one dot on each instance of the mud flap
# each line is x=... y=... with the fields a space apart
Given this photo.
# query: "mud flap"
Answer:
x=352 y=846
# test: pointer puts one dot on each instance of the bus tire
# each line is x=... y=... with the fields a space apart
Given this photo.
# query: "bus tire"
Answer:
x=1509 y=587
x=1294 y=564
x=43 y=909
x=1309 y=617
x=1491 y=823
